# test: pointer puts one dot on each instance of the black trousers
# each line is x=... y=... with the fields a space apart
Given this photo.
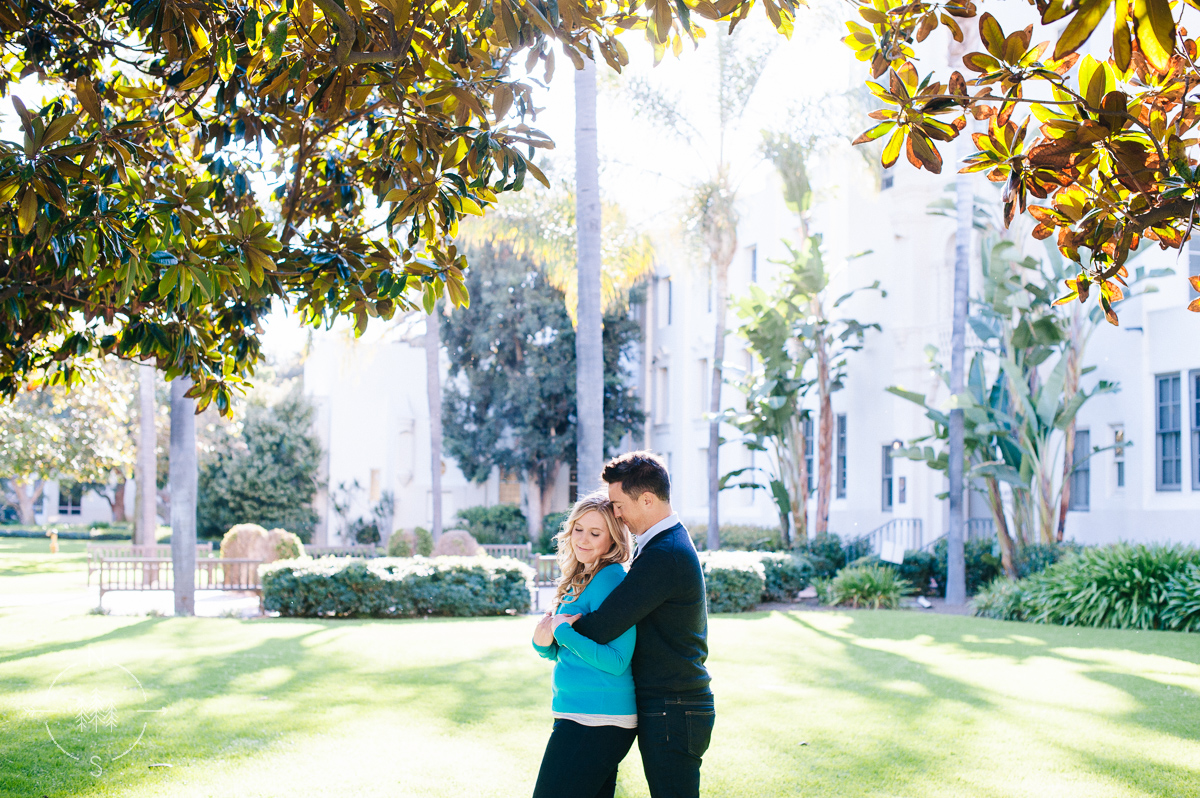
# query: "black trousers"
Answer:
x=673 y=734
x=581 y=761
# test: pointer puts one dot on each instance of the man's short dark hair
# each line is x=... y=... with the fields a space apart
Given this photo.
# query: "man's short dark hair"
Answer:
x=638 y=472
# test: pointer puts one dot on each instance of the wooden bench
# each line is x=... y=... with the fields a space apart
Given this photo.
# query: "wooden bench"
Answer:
x=361 y=550
x=156 y=573
x=152 y=550
x=518 y=551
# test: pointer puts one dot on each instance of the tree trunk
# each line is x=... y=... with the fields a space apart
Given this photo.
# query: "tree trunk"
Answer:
x=714 y=406
x=433 y=388
x=824 y=424
x=532 y=488
x=117 y=503
x=1070 y=388
x=145 y=525
x=1007 y=547
x=956 y=585
x=589 y=347
x=183 y=495
x=27 y=496
x=798 y=468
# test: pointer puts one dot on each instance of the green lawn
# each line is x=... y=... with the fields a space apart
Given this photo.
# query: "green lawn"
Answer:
x=808 y=704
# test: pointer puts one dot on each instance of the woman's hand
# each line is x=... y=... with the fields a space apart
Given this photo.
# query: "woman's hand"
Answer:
x=543 y=635
x=560 y=619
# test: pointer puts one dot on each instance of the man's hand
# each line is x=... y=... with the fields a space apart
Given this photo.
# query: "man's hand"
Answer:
x=560 y=619
x=543 y=635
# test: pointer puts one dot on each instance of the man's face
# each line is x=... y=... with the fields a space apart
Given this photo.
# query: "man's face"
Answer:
x=630 y=511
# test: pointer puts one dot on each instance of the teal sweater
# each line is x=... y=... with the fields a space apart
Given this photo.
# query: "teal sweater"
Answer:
x=590 y=678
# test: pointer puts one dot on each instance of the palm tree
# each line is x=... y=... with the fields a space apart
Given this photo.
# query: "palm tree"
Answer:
x=589 y=348
x=711 y=216
x=183 y=495
x=433 y=387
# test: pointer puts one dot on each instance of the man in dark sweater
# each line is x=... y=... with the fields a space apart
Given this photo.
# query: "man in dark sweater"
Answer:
x=664 y=596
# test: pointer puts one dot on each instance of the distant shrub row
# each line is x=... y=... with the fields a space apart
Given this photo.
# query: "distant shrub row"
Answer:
x=738 y=580
x=1124 y=586
x=391 y=587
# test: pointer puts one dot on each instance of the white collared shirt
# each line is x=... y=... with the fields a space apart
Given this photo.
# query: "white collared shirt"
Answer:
x=663 y=525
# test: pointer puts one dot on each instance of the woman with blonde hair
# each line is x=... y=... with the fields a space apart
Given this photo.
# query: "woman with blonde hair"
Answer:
x=594 y=708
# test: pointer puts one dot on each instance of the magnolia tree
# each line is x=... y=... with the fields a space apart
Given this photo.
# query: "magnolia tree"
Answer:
x=1104 y=148
x=138 y=218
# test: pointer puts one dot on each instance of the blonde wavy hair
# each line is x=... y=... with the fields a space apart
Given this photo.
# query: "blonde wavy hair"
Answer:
x=577 y=575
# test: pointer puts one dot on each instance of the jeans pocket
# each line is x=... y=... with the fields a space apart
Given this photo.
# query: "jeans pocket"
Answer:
x=653 y=726
x=699 y=730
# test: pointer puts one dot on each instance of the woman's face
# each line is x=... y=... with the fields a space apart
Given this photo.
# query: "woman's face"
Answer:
x=589 y=538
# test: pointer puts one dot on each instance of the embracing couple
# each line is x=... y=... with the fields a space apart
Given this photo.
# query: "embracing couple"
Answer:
x=628 y=646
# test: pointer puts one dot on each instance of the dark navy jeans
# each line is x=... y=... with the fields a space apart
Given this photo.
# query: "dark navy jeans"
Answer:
x=673 y=734
x=581 y=761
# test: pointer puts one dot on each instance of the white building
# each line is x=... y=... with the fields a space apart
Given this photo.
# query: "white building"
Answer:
x=373 y=415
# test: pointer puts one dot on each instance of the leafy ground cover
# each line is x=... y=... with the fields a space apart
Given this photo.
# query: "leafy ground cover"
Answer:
x=809 y=704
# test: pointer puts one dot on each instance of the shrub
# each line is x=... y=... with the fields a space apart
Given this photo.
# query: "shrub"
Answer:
x=364 y=531
x=734 y=580
x=1123 y=586
x=872 y=586
x=917 y=569
x=424 y=541
x=982 y=560
x=391 y=587
x=500 y=523
x=1002 y=599
x=287 y=544
x=739 y=537
x=1182 y=612
x=551 y=524
x=1033 y=558
x=856 y=548
x=457 y=543
x=785 y=575
x=267 y=474
x=400 y=544
x=826 y=554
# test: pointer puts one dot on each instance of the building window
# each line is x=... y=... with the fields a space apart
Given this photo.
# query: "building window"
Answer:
x=70 y=497
x=754 y=264
x=888 y=485
x=841 y=455
x=1194 y=381
x=1119 y=453
x=663 y=397
x=1081 y=472
x=664 y=302
x=809 y=458
x=901 y=490
x=1167 y=444
x=887 y=180
x=510 y=487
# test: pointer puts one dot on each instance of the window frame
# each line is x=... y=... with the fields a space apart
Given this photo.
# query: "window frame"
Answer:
x=1161 y=433
x=1194 y=413
x=1118 y=432
x=1081 y=472
x=887 y=498
x=73 y=493
x=840 y=458
x=810 y=458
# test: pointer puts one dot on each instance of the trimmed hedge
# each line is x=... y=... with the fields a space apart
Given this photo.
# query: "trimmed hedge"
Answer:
x=785 y=575
x=1123 y=586
x=395 y=587
x=500 y=523
x=739 y=537
x=735 y=580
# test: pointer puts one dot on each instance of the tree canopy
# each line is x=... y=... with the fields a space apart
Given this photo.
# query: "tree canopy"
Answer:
x=196 y=161
x=1111 y=153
